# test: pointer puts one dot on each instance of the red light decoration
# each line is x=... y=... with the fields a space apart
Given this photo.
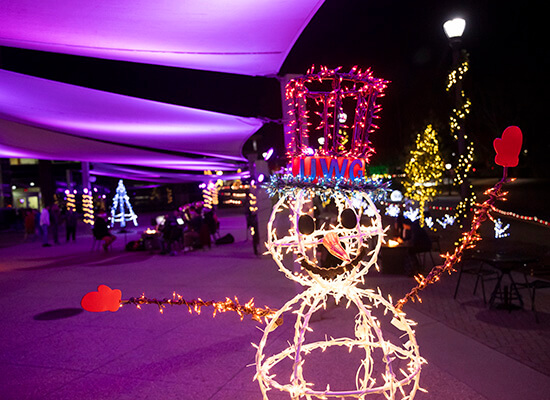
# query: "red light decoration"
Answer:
x=330 y=95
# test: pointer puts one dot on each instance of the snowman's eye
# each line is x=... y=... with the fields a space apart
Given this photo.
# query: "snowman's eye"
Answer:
x=306 y=225
x=348 y=218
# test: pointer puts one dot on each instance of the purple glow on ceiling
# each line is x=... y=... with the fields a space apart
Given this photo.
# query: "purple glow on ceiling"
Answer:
x=251 y=37
x=94 y=114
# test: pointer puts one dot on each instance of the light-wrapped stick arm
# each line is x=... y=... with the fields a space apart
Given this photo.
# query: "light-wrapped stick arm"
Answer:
x=107 y=299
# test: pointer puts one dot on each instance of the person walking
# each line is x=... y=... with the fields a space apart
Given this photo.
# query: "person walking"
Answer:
x=44 y=224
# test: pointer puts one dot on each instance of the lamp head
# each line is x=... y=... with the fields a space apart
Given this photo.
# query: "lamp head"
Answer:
x=454 y=28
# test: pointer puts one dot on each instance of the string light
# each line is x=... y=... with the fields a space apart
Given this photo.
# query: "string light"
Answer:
x=369 y=336
x=464 y=163
x=210 y=193
x=71 y=200
x=356 y=87
x=257 y=314
x=521 y=217
x=87 y=207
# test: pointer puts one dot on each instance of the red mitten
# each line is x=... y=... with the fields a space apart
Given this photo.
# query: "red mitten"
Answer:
x=105 y=299
x=508 y=147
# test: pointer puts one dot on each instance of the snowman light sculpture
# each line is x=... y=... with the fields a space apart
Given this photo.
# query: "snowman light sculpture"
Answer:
x=331 y=259
x=335 y=174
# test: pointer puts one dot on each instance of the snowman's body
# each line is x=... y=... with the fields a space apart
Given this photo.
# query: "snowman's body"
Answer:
x=357 y=244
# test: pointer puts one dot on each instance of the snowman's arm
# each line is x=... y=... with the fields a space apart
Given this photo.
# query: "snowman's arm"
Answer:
x=469 y=240
x=107 y=299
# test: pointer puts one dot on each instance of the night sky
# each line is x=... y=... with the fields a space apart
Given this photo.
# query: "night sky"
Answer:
x=402 y=41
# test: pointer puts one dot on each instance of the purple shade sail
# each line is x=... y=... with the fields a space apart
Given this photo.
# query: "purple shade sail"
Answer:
x=19 y=140
x=94 y=114
x=250 y=37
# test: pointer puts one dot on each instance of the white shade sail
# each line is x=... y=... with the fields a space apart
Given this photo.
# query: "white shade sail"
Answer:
x=250 y=37
x=45 y=119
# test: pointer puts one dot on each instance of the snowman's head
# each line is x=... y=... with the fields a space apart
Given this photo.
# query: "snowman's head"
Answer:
x=329 y=238
x=324 y=227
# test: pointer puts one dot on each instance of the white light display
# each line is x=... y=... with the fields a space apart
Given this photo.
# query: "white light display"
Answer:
x=412 y=214
x=121 y=210
x=447 y=220
x=429 y=222
x=393 y=210
x=500 y=230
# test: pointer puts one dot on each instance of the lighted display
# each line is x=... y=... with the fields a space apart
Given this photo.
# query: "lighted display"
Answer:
x=87 y=207
x=121 y=210
x=464 y=163
x=424 y=170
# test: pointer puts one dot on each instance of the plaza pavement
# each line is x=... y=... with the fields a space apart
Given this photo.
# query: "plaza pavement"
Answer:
x=51 y=349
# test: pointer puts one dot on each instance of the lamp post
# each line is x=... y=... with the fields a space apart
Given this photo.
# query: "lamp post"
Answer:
x=454 y=29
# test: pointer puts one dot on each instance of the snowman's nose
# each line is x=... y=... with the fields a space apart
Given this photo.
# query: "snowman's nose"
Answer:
x=332 y=243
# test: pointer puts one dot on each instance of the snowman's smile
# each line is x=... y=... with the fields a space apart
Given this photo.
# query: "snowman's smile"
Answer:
x=332 y=272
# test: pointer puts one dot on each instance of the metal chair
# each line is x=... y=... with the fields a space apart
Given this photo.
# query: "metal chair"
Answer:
x=482 y=272
x=536 y=277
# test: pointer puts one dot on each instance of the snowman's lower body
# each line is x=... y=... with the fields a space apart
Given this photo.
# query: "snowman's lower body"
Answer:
x=391 y=381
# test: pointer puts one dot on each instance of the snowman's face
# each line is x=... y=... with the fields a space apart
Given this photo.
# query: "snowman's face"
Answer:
x=329 y=244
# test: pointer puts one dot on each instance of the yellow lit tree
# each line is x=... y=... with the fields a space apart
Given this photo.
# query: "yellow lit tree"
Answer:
x=424 y=169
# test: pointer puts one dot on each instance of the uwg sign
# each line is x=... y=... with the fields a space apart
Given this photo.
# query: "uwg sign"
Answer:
x=328 y=167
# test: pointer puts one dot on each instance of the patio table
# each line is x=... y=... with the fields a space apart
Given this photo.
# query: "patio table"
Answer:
x=505 y=263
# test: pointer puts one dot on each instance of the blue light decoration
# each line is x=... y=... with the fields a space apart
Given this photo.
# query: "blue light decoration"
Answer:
x=121 y=203
x=412 y=214
x=500 y=230
x=447 y=220
x=429 y=222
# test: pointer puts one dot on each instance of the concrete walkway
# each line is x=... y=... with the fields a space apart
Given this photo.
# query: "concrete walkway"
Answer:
x=50 y=349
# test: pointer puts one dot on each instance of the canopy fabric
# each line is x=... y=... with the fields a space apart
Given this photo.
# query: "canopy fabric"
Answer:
x=24 y=141
x=113 y=118
x=250 y=37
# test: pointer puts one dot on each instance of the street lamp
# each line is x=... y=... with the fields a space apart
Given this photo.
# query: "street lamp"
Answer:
x=454 y=28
